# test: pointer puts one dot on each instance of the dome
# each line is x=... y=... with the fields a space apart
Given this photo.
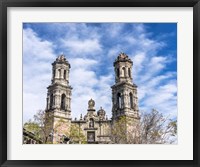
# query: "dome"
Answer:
x=122 y=57
x=91 y=104
x=101 y=112
x=61 y=60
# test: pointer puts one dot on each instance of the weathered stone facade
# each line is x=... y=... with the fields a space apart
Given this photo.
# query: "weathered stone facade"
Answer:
x=95 y=126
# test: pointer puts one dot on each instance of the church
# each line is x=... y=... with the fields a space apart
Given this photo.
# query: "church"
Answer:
x=94 y=125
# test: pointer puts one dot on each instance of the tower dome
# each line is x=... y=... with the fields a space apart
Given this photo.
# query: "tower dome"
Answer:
x=101 y=112
x=123 y=57
x=91 y=104
x=61 y=59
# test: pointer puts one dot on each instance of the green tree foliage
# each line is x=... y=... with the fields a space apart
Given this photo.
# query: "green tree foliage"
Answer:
x=34 y=128
x=40 y=126
x=153 y=128
x=119 y=130
x=76 y=135
x=121 y=133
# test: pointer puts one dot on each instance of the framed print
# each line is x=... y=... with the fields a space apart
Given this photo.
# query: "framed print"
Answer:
x=99 y=83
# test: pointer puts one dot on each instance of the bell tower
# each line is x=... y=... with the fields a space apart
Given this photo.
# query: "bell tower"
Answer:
x=58 y=105
x=124 y=93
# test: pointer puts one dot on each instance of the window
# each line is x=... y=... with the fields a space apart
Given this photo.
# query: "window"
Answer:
x=64 y=74
x=119 y=100
x=129 y=72
x=51 y=101
x=63 y=99
x=131 y=100
x=90 y=137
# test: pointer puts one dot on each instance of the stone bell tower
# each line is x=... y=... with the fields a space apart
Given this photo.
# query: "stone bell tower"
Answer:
x=124 y=94
x=58 y=105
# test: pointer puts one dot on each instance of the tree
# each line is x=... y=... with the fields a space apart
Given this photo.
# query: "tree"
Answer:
x=40 y=125
x=34 y=128
x=153 y=128
x=76 y=135
x=119 y=130
x=157 y=129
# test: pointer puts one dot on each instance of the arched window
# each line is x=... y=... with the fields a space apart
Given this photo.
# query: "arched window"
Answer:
x=63 y=99
x=129 y=72
x=131 y=100
x=119 y=100
x=59 y=73
x=123 y=71
x=117 y=72
x=64 y=74
x=91 y=123
x=51 y=101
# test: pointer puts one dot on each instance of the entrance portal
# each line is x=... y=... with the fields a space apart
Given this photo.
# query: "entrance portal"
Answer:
x=91 y=137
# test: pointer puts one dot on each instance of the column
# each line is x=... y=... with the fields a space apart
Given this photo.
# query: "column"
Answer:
x=120 y=71
x=67 y=72
x=62 y=74
x=56 y=73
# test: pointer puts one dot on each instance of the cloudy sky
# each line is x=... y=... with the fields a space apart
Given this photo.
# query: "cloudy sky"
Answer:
x=91 y=50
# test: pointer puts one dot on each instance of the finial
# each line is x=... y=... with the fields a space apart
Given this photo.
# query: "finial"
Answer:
x=61 y=57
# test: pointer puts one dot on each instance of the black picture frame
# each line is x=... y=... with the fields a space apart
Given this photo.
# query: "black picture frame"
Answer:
x=4 y=4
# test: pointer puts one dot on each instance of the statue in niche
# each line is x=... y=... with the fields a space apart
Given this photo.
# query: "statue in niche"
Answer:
x=91 y=123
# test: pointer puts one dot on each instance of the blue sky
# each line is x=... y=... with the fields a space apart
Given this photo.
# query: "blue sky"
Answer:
x=91 y=49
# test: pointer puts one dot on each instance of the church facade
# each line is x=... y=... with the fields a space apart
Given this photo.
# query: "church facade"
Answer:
x=94 y=126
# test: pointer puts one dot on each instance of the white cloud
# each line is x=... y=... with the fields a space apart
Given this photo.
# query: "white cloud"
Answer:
x=138 y=61
x=76 y=46
x=114 y=29
x=82 y=63
x=36 y=49
x=139 y=28
x=152 y=67
x=115 y=50
x=31 y=104
x=85 y=49
x=162 y=97
x=37 y=57
x=86 y=85
x=83 y=77
x=156 y=87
